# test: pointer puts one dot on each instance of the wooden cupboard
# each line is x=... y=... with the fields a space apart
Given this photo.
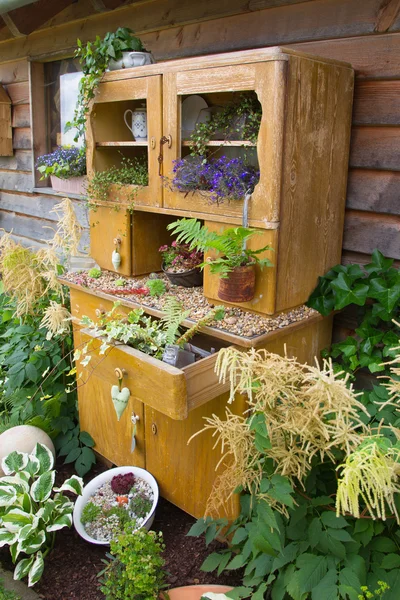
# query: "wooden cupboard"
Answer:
x=297 y=207
x=302 y=152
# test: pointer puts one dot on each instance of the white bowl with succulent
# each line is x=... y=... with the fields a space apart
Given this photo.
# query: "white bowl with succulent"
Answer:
x=112 y=499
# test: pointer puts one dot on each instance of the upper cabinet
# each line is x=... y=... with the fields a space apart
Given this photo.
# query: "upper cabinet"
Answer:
x=299 y=152
x=120 y=109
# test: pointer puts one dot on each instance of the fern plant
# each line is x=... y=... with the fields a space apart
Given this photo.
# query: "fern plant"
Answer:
x=231 y=244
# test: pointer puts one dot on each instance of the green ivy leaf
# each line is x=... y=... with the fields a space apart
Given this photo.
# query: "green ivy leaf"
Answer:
x=346 y=293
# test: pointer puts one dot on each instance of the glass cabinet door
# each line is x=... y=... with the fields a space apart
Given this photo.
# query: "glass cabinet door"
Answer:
x=244 y=151
x=124 y=127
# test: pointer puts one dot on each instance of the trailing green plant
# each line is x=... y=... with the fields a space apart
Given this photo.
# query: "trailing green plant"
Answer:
x=132 y=172
x=240 y=119
x=94 y=59
x=230 y=244
x=375 y=290
x=135 y=566
x=319 y=488
x=32 y=510
x=157 y=287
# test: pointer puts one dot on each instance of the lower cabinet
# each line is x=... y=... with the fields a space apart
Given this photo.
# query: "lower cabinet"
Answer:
x=169 y=406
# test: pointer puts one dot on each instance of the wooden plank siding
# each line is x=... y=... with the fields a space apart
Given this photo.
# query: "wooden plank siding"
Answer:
x=366 y=34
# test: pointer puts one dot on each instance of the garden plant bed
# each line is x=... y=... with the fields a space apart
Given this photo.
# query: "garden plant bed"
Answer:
x=236 y=321
x=71 y=568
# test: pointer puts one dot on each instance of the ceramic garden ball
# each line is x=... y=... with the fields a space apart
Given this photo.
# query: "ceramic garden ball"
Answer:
x=23 y=438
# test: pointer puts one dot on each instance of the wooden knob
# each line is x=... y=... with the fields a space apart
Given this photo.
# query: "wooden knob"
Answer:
x=119 y=373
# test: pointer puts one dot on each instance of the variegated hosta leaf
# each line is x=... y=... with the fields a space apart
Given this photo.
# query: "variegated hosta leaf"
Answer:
x=60 y=522
x=8 y=495
x=62 y=502
x=43 y=486
x=26 y=502
x=14 y=462
x=32 y=543
x=17 y=482
x=23 y=567
x=15 y=519
x=33 y=466
x=45 y=457
x=45 y=512
x=14 y=552
x=7 y=537
x=36 y=570
x=73 y=484
x=25 y=532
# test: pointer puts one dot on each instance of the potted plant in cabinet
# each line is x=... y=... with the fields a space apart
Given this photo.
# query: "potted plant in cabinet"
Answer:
x=181 y=264
x=235 y=264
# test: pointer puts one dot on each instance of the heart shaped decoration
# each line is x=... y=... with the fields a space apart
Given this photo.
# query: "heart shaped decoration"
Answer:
x=120 y=399
x=116 y=259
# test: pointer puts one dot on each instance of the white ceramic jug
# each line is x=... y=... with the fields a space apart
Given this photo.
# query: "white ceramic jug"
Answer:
x=138 y=122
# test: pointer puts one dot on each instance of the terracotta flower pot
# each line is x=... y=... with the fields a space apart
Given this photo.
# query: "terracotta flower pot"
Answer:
x=192 y=278
x=239 y=286
x=194 y=592
x=74 y=185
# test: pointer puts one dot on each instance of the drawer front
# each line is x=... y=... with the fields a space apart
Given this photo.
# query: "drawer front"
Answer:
x=106 y=225
x=97 y=415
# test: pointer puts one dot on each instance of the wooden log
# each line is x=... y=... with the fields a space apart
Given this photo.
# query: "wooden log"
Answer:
x=375 y=148
x=377 y=103
x=21 y=115
x=15 y=180
x=18 y=92
x=14 y=72
x=365 y=231
x=36 y=205
x=34 y=228
x=20 y=161
x=230 y=24
x=376 y=191
x=22 y=138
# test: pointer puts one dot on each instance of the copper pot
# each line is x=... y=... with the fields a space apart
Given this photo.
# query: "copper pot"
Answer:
x=239 y=286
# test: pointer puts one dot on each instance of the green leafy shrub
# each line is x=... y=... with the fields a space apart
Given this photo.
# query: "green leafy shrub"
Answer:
x=230 y=243
x=375 y=289
x=156 y=287
x=135 y=567
x=95 y=273
x=303 y=456
x=30 y=513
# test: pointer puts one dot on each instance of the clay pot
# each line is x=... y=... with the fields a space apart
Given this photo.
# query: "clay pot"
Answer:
x=195 y=592
x=192 y=278
x=239 y=286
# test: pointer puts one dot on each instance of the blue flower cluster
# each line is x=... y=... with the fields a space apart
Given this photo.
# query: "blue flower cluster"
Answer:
x=223 y=178
x=65 y=162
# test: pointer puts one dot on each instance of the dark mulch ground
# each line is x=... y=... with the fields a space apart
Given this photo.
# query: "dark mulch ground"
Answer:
x=71 y=569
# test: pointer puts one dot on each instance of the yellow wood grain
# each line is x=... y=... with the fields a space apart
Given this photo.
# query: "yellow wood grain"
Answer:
x=106 y=224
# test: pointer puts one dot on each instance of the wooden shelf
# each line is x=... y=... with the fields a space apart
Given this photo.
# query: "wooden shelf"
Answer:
x=121 y=144
x=236 y=143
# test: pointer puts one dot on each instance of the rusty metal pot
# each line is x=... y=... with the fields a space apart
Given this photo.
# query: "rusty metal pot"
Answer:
x=239 y=286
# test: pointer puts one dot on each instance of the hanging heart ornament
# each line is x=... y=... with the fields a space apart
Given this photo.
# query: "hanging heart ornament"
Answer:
x=120 y=399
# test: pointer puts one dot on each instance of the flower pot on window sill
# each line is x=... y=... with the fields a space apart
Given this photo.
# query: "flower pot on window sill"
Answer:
x=73 y=185
x=192 y=278
x=239 y=286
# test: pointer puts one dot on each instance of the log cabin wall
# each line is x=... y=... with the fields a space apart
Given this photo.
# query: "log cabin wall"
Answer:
x=365 y=33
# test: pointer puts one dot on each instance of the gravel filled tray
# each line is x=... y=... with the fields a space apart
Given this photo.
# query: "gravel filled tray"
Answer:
x=236 y=321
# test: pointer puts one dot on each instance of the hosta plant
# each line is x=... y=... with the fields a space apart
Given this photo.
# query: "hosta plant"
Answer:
x=32 y=510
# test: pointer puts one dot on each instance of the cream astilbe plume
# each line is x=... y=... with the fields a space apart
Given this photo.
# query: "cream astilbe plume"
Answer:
x=49 y=262
x=68 y=232
x=56 y=319
x=370 y=473
x=238 y=454
x=20 y=274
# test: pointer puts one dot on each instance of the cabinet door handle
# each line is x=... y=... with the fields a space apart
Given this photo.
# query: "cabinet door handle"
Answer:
x=166 y=139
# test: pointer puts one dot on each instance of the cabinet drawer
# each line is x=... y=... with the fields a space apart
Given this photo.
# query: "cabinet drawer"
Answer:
x=171 y=391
